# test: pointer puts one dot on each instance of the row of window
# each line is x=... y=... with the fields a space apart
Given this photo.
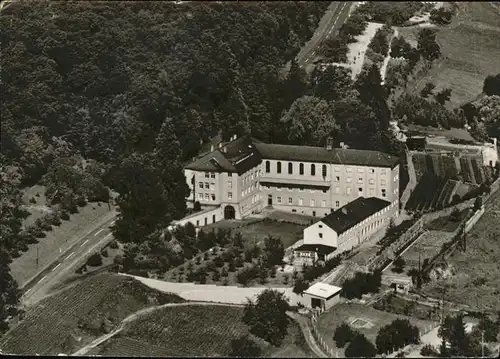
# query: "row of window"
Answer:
x=210 y=185
x=206 y=197
x=371 y=191
x=312 y=171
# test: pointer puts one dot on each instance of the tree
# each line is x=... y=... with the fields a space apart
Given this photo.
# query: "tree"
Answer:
x=399 y=264
x=478 y=203
x=274 y=251
x=443 y=96
x=441 y=16
x=427 y=45
x=400 y=47
x=267 y=317
x=360 y=347
x=343 y=335
x=244 y=347
x=489 y=327
x=331 y=83
x=300 y=286
x=453 y=332
x=491 y=85
x=335 y=49
x=396 y=335
x=9 y=293
x=427 y=90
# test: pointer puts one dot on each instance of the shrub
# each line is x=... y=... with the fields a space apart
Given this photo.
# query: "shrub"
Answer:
x=197 y=206
x=343 y=335
x=206 y=256
x=33 y=200
x=113 y=244
x=104 y=253
x=428 y=351
x=64 y=215
x=94 y=260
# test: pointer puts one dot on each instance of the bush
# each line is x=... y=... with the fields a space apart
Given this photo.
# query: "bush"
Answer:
x=33 y=200
x=94 y=260
x=197 y=206
x=441 y=16
x=429 y=351
x=64 y=215
x=343 y=335
x=113 y=244
x=104 y=253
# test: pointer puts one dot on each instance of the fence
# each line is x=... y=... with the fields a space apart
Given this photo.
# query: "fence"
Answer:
x=322 y=343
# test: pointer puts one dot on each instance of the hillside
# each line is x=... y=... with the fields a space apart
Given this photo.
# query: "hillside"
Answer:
x=74 y=317
x=470 y=49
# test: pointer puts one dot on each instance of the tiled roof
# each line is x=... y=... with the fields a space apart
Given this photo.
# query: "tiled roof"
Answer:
x=245 y=153
x=323 y=155
x=353 y=213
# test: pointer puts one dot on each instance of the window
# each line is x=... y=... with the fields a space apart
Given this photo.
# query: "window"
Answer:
x=372 y=191
x=349 y=169
x=213 y=197
x=290 y=168
x=301 y=201
x=361 y=170
x=395 y=178
x=290 y=200
x=382 y=182
x=207 y=185
x=383 y=192
x=320 y=235
x=278 y=188
x=337 y=168
x=213 y=218
x=200 y=196
x=212 y=186
x=197 y=223
x=229 y=174
x=372 y=181
x=349 y=190
x=383 y=171
x=301 y=169
x=324 y=170
x=360 y=179
x=313 y=202
x=200 y=184
x=312 y=190
x=324 y=191
x=337 y=204
x=301 y=189
x=206 y=197
x=314 y=213
x=360 y=189
x=323 y=203
x=278 y=167
x=242 y=194
x=229 y=184
x=229 y=195
x=278 y=199
x=212 y=175
x=372 y=170
x=337 y=178
x=313 y=170
x=268 y=166
x=207 y=175
x=320 y=226
x=337 y=189
x=348 y=179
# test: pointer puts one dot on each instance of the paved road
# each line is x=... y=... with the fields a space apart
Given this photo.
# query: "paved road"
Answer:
x=74 y=257
x=333 y=19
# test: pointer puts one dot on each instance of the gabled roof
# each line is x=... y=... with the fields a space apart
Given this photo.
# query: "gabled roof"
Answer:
x=323 y=155
x=323 y=290
x=353 y=213
x=245 y=153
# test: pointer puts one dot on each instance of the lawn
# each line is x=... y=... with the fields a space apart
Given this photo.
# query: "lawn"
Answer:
x=189 y=331
x=362 y=314
x=74 y=317
x=59 y=238
x=446 y=223
x=470 y=52
x=476 y=279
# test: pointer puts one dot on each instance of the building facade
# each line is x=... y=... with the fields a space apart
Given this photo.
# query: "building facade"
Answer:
x=345 y=228
x=244 y=176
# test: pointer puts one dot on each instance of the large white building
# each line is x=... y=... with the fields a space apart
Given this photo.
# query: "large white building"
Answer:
x=244 y=176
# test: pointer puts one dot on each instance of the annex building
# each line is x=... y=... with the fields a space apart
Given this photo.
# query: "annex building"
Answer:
x=244 y=176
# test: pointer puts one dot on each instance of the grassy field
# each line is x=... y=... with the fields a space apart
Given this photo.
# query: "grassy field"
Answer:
x=470 y=51
x=476 y=281
x=74 y=317
x=375 y=319
x=193 y=331
x=427 y=246
x=446 y=223
x=59 y=238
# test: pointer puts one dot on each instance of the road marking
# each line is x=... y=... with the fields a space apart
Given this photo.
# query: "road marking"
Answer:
x=42 y=278
x=113 y=222
x=102 y=229
x=68 y=257
x=56 y=267
x=110 y=234
x=84 y=243
x=343 y=6
x=306 y=61
x=29 y=290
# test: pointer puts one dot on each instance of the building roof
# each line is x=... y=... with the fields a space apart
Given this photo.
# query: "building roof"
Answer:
x=323 y=290
x=323 y=155
x=353 y=213
x=318 y=248
x=244 y=153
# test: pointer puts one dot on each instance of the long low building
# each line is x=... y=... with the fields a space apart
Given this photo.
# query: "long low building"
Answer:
x=244 y=176
x=346 y=228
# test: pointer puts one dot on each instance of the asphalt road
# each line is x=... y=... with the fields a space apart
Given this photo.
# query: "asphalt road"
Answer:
x=74 y=257
x=333 y=19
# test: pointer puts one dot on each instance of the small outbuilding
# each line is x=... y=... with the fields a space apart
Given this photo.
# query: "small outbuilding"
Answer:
x=321 y=295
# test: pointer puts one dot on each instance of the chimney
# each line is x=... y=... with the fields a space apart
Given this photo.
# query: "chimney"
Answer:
x=344 y=211
x=235 y=137
x=212 y=148
x=220 y=144
x=329 y=143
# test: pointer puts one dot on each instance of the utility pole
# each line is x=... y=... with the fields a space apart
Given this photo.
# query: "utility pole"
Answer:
x=37 y=246
x=482 y=344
